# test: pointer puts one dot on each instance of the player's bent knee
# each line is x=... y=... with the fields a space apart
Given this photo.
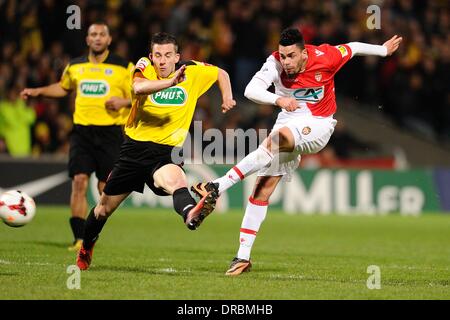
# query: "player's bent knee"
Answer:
x=170 y=178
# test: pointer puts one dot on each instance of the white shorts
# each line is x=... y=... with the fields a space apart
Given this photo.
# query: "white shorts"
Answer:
x=311 y=135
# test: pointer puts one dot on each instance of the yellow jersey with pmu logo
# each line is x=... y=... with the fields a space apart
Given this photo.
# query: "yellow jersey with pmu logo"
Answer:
x=165 y=116
x=95 y=83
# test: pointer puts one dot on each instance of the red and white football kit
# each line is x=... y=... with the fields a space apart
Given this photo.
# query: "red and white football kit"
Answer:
x=312 y=124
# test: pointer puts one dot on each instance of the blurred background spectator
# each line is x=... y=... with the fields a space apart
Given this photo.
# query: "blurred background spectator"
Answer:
x=411 y=88
x=16 y=120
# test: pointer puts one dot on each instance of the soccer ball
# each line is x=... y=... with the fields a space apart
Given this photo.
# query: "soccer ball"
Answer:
x=16 y=208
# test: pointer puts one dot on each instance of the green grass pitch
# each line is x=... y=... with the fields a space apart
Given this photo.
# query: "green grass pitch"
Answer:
x=150 y=254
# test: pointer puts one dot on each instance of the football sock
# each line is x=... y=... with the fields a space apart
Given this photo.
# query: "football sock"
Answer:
x=77 y=225
x=183 y=202
x=255 y=213
x=250 y=164
x=92 y=229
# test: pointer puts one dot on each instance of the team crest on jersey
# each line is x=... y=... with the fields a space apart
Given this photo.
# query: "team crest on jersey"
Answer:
x=108 y=72
x=318 y=76
x=173 y=96
x=343 y=50
x=94 y=88
x=311 y=95
x=306 y=130
x=318 y=53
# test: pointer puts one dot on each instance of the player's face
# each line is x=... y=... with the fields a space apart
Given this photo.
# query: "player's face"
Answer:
x=291 y=58
x=164 y=57
x=98 y=38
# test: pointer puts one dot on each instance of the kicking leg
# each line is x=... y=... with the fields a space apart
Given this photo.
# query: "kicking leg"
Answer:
x=281 y=140
x=255 y=214
x=172 y=179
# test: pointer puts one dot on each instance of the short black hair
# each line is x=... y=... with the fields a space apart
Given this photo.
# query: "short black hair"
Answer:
x=163 y=38
x=99 y=23
x=290 y=36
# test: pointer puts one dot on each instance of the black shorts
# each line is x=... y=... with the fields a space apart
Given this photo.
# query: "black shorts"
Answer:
x=94 y=148
x=138 y=161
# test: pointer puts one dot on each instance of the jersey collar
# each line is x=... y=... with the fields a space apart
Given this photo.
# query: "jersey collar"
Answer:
x=103 y=60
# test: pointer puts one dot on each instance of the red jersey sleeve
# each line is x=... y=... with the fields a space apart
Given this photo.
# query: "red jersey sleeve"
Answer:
x=338 y=56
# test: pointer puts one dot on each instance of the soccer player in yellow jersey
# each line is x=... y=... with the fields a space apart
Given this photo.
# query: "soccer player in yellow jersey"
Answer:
x=166 y=93
x=102 y=83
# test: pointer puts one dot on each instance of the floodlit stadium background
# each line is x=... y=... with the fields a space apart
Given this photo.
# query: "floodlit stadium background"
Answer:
x=394 y=114
x=389 y=158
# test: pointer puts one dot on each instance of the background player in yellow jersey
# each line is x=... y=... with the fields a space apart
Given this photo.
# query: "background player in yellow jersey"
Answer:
x=166 y=95
x=102 y=83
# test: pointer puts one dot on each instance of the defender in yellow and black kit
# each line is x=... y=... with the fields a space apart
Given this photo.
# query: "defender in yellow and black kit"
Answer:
x=102 y=82
x=166 y=95
x=97 y=133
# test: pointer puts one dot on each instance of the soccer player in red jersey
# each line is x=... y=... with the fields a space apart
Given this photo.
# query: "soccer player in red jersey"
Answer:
x=303 y=76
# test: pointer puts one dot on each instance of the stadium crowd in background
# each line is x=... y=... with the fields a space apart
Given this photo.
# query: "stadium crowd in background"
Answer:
x=237 y=35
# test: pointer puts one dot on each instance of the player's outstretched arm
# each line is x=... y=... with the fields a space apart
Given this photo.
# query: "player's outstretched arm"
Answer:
x=224 y=83
x=52 y=91
x=143 y=86
x=365 y=49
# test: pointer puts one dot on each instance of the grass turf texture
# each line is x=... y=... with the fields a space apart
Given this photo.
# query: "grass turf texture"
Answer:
x=150 y=254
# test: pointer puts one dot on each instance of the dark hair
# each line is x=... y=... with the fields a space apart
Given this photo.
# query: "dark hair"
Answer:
x=292 y=36
x=99 y=23
x=163 y=38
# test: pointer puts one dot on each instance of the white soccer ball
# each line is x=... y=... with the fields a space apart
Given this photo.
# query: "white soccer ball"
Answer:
x=16 y=208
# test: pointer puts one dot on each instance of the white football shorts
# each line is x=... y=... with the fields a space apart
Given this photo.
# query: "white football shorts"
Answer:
x=311 y=135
